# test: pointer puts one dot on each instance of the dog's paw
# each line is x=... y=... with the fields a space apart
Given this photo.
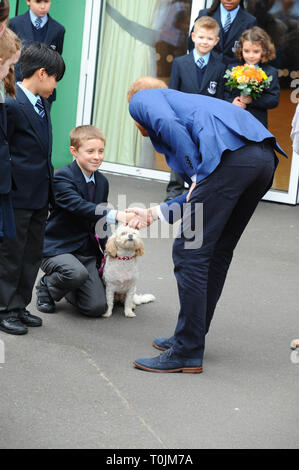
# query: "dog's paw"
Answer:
x=129 y=313
x=107 y=314
x=143 y=298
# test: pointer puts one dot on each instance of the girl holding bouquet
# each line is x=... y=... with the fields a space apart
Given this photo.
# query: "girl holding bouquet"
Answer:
x=253 y=83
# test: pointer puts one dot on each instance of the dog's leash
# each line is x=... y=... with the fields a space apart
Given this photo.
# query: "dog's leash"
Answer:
x=103 y=262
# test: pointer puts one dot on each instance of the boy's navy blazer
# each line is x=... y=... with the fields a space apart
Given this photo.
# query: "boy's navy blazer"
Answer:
x=243 y=20
x=5 y=163
x=22 y=26
x=268 y=99
x=30 y=152
x=193 y=131
x=73 y=217
x=184 y=76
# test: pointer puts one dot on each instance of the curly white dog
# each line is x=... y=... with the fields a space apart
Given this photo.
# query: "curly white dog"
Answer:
x=120 y=272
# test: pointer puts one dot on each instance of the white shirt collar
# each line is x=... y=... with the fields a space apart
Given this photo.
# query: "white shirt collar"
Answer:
x=224 y=12
x=88 y=180
x=31 y=97
x=205 y=57
x=33 y=18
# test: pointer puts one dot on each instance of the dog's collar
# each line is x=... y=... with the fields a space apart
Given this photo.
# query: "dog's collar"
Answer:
x=125 y=258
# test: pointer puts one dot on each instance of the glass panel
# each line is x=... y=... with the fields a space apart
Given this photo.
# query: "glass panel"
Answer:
x=140 y=37
x=280 y=18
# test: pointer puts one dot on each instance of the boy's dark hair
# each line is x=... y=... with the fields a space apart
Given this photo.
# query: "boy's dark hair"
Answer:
x=36 y=56
x=4 y=10
x=216 y=4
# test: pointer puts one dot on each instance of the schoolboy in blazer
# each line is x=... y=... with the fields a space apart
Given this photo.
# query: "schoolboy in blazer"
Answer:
x=29 y=135
x=72 y=255
x=228 y=157
x=49 y=31
x=241 y=20
x=205 y=79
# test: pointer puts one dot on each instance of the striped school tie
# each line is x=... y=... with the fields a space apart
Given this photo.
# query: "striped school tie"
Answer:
x=200 y=63
x=40 y=108
x=38 y=23
x=228 y=23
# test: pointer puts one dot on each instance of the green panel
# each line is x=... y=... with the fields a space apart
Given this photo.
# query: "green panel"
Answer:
x=64 y=109
x=22 y=7
x=12 y=9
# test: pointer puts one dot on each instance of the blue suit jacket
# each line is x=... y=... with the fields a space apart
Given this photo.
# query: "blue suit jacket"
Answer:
x=73 y=217
x=193 y=131
x=184 y=76
x=226 y=46
x=30 y=154
x=22 y=26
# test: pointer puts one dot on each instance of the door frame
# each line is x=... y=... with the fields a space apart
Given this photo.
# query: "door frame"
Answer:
x=89 y=63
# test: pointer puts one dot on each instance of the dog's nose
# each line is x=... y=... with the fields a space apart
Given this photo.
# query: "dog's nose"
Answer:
x=130 y=236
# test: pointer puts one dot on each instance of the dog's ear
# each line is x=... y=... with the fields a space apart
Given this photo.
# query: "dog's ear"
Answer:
x=141 y=249
x=111 y=246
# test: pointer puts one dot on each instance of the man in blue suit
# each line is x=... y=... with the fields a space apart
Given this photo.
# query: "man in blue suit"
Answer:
x=227 y=157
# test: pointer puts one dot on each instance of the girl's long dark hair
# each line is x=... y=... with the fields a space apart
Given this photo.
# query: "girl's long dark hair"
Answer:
x=216 y=4
x=4 y=10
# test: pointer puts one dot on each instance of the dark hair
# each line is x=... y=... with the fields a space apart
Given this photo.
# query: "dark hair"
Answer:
x=4 y=10
x=216 y=4
x=37 y=56
x=259 y=36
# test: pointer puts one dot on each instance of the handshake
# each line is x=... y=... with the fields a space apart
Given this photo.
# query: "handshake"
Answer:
x=141 y=218
x=138 y=218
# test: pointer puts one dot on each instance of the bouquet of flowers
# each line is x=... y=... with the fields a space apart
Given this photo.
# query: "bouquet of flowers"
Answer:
x=250 y=80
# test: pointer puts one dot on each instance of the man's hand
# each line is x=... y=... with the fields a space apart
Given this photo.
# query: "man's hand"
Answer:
x=190 y=190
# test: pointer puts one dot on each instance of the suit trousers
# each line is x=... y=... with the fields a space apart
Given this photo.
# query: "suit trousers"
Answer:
x=20 y=259
x=77 y=279
x=226 y=200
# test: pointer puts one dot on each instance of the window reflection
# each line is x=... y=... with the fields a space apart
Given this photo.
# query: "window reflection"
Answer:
x=172 y=19
x=280 y=19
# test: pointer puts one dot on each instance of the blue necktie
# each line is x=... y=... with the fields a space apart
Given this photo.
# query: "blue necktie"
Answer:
x=91 y=189
x=38 y=23
x=40 y=108
x=200 y=63
x=228 y=22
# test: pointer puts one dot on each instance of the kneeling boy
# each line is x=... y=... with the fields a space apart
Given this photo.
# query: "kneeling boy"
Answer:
x=71 y=253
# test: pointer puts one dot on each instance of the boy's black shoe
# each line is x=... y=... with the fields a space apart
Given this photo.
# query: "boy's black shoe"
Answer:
x=29 y=320
x=44 y=302
x=12 y=325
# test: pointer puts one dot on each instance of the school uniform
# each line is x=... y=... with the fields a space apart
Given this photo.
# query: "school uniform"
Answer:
x=7 y=223
x=228 y=41
x=30 y=141
x=269 y=99
x=71 y=253
x=51 y=32
x=229 y=154
x=188 y=77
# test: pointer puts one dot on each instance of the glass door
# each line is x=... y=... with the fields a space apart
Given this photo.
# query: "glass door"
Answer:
x=138 y=38
x=280 y=18
x=142 y=37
